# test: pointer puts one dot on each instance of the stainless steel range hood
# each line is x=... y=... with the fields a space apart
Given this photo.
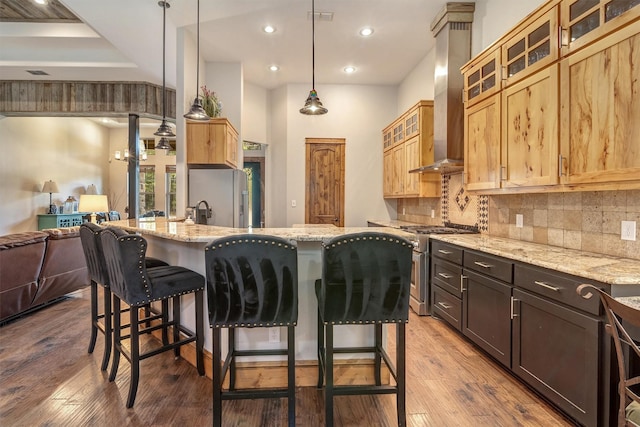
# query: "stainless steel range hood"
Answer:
x=452 y=30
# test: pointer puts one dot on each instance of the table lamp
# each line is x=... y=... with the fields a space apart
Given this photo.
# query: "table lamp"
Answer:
x=91 y=189
x=50 y=187
x=93 y=203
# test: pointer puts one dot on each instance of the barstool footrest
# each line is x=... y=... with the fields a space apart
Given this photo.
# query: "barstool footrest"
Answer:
x=255 y=394
x=345 y=390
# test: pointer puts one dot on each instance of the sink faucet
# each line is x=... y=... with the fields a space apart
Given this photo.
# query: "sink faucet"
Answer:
x=202 y=214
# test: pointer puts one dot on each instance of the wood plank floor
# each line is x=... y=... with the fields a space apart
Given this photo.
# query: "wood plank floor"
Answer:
x=47 y=378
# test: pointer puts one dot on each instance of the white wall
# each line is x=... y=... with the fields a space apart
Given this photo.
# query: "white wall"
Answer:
x=356 y=113
x=255 y=112
x=73 y=152
x=418 y=84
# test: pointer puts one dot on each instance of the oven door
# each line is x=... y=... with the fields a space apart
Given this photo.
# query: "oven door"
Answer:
x=418 y=300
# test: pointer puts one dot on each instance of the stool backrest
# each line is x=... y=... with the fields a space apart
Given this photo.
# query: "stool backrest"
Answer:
x=124 y=255
x=252 y=280
x=366 y=278
x=92 y=248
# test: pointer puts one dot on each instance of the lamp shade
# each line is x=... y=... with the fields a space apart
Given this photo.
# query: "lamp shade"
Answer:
x=50 y=187
x=93 y=203
x=91 y=189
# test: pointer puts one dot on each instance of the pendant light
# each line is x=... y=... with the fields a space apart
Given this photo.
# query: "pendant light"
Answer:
x=164 y=129
x=196 y=112
x=163 y=144
x=313 y=105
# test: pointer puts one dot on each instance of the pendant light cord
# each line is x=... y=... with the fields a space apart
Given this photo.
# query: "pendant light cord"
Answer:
x=198 y=51
x=313 y=45
x=164 y=30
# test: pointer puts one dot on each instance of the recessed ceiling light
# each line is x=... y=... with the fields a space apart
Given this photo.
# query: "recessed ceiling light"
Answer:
x=269 y=29
x=274 y=68
x=41 y=1
x=366 y=32
x=349 y=69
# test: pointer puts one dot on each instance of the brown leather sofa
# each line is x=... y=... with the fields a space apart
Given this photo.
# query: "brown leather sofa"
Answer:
x=37 y=267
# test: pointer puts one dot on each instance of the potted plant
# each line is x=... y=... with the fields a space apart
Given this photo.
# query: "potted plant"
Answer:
x=210 y=102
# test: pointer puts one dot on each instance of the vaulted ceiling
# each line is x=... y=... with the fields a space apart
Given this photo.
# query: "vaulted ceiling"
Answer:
x=122 y=39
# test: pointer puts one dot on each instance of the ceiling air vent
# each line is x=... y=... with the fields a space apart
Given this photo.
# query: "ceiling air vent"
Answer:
x=37 y=72
x=321 y=16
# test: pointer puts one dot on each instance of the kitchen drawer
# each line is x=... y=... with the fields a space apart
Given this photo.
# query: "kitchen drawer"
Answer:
x=447 y=276
x=496 y=267
x=446 y=307
x=557 y=286
x=446 y=251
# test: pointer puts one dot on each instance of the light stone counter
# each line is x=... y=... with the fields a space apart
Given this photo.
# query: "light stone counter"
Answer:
x=392 y=223
x=607 y=269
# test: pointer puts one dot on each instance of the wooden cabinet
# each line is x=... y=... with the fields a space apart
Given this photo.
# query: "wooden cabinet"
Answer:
x=585 y=21
x=212 y=143
x=483 y=144
x=567 y=102
x=600 y=110
x=407 y=145
x=533 y=46
x=530 y=145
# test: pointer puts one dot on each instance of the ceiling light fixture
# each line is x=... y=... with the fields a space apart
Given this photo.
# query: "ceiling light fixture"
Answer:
x=269 y=29
x=196 y=112
x=274 y=68
x=349 y=69
x=313 y=105
x=163 y=144
x=366 y=32
x=164 y=129
x=41 y=1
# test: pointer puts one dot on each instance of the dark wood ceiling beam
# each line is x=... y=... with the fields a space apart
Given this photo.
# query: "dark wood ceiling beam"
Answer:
x=80 y=98
x=29 y=11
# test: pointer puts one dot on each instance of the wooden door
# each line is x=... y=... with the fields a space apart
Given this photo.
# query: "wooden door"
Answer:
x=482 y=144
x=600 y=111
x=324 y=198
x=530 y=140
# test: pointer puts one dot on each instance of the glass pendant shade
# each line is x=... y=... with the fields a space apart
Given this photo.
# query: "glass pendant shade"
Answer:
x=313 y=105
x=164 y=130
x=196 y=112
x=163 y=144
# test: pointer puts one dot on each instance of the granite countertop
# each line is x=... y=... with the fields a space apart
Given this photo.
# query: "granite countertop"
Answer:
x=393 y=223
x=179 y=231
x=604 y=268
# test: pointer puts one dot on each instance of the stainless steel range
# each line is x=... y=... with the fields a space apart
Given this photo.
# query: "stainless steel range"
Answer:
x=420 y=274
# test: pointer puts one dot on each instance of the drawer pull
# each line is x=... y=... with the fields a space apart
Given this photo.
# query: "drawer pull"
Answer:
x=442 y=251
x=545 y=285
x=445 y=306
x=446 y=276
x=483 y=264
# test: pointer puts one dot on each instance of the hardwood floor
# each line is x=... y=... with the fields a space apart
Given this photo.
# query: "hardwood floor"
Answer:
x=47 y=378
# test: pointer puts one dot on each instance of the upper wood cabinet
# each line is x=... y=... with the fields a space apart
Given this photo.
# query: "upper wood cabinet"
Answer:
x=600 y=117
x=585 y=21
x=566 y=115
x=212 y=143
x=407 y=145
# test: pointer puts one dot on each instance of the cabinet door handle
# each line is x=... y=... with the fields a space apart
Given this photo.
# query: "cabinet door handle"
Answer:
x=563 y=37
x=513 y=311
x=503 y=173
x=483 y=264
x=546 y=285
x=560 y=166
x=446 y=276
x=462 y=288
x=442 y=251
x=445 y=306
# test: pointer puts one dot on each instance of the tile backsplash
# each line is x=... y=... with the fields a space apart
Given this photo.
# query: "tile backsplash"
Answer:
x=588 y=221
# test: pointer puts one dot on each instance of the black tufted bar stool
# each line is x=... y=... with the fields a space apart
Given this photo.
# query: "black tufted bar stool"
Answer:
x=252 y=282
x=92 y=249
x=137 y=286
x=366 y=279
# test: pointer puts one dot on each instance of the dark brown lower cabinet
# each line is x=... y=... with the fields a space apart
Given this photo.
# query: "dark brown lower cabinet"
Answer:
x=555 y=351
x=486 y=308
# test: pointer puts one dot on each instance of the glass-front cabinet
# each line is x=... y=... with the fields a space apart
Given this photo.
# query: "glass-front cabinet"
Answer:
x=483 y=78
x=585 y=21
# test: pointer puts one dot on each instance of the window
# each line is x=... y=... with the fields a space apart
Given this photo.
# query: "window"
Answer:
x=147 y=196
x=170 y=185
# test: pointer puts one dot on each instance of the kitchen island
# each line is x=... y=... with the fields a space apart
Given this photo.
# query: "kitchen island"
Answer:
x=182 y=244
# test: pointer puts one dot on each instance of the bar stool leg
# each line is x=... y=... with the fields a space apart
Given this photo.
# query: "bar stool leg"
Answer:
x=94 y=316
x=199 y=332
x=176 y=323
x=217 y=380
x=232 y=363
x=401 y=373
x=377 y=360
x=165 y=322
x=291 y=371
x=135 y=356
x=117 y=321
x=321 y=352
x=328 y=390
x=108 y=327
